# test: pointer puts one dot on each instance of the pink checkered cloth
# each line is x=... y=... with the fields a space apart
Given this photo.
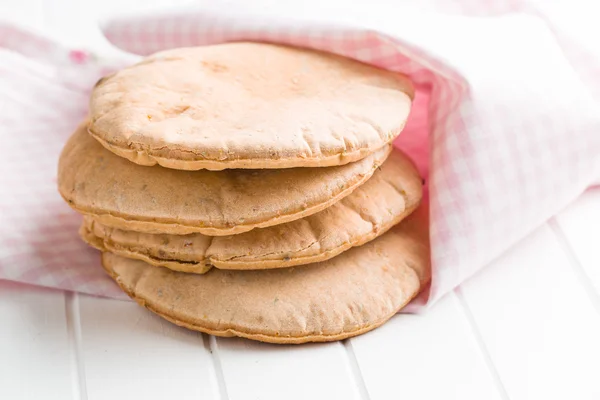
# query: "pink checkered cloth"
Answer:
x=505 y=125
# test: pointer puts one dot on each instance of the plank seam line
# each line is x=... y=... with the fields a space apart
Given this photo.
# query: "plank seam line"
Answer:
x=359 y=381
x=213 y=348
x=75 y=347
x=576 y=266
x=487 y=358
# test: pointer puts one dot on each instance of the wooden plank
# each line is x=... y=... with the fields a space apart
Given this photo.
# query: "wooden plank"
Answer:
x=537 y=322
x=129 y=353
x=254 y=370
x=428 y=356
x=580 y=224
x=35 y=357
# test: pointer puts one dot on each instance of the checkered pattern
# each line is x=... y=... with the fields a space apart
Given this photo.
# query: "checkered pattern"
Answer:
x=505 y=124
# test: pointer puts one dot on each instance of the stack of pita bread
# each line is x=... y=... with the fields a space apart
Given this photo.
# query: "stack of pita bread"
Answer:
x=252 y=190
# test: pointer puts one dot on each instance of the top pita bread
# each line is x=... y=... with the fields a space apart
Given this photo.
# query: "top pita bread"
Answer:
x=248 y=105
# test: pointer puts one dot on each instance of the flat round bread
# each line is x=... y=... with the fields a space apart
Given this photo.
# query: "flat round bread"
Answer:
x=248 y=105
x=121 y=194
x=392 y=193
x=345 y=296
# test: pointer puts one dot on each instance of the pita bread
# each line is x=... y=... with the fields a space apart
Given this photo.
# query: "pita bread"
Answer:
x=342 y=297
x=391 y=194
x=248 y=105
x=121 y=194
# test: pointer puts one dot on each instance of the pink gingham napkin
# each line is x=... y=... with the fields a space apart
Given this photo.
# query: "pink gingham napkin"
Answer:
x=505 y=125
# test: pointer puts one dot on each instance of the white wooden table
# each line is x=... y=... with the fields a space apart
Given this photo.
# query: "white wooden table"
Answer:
x=527 y=327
